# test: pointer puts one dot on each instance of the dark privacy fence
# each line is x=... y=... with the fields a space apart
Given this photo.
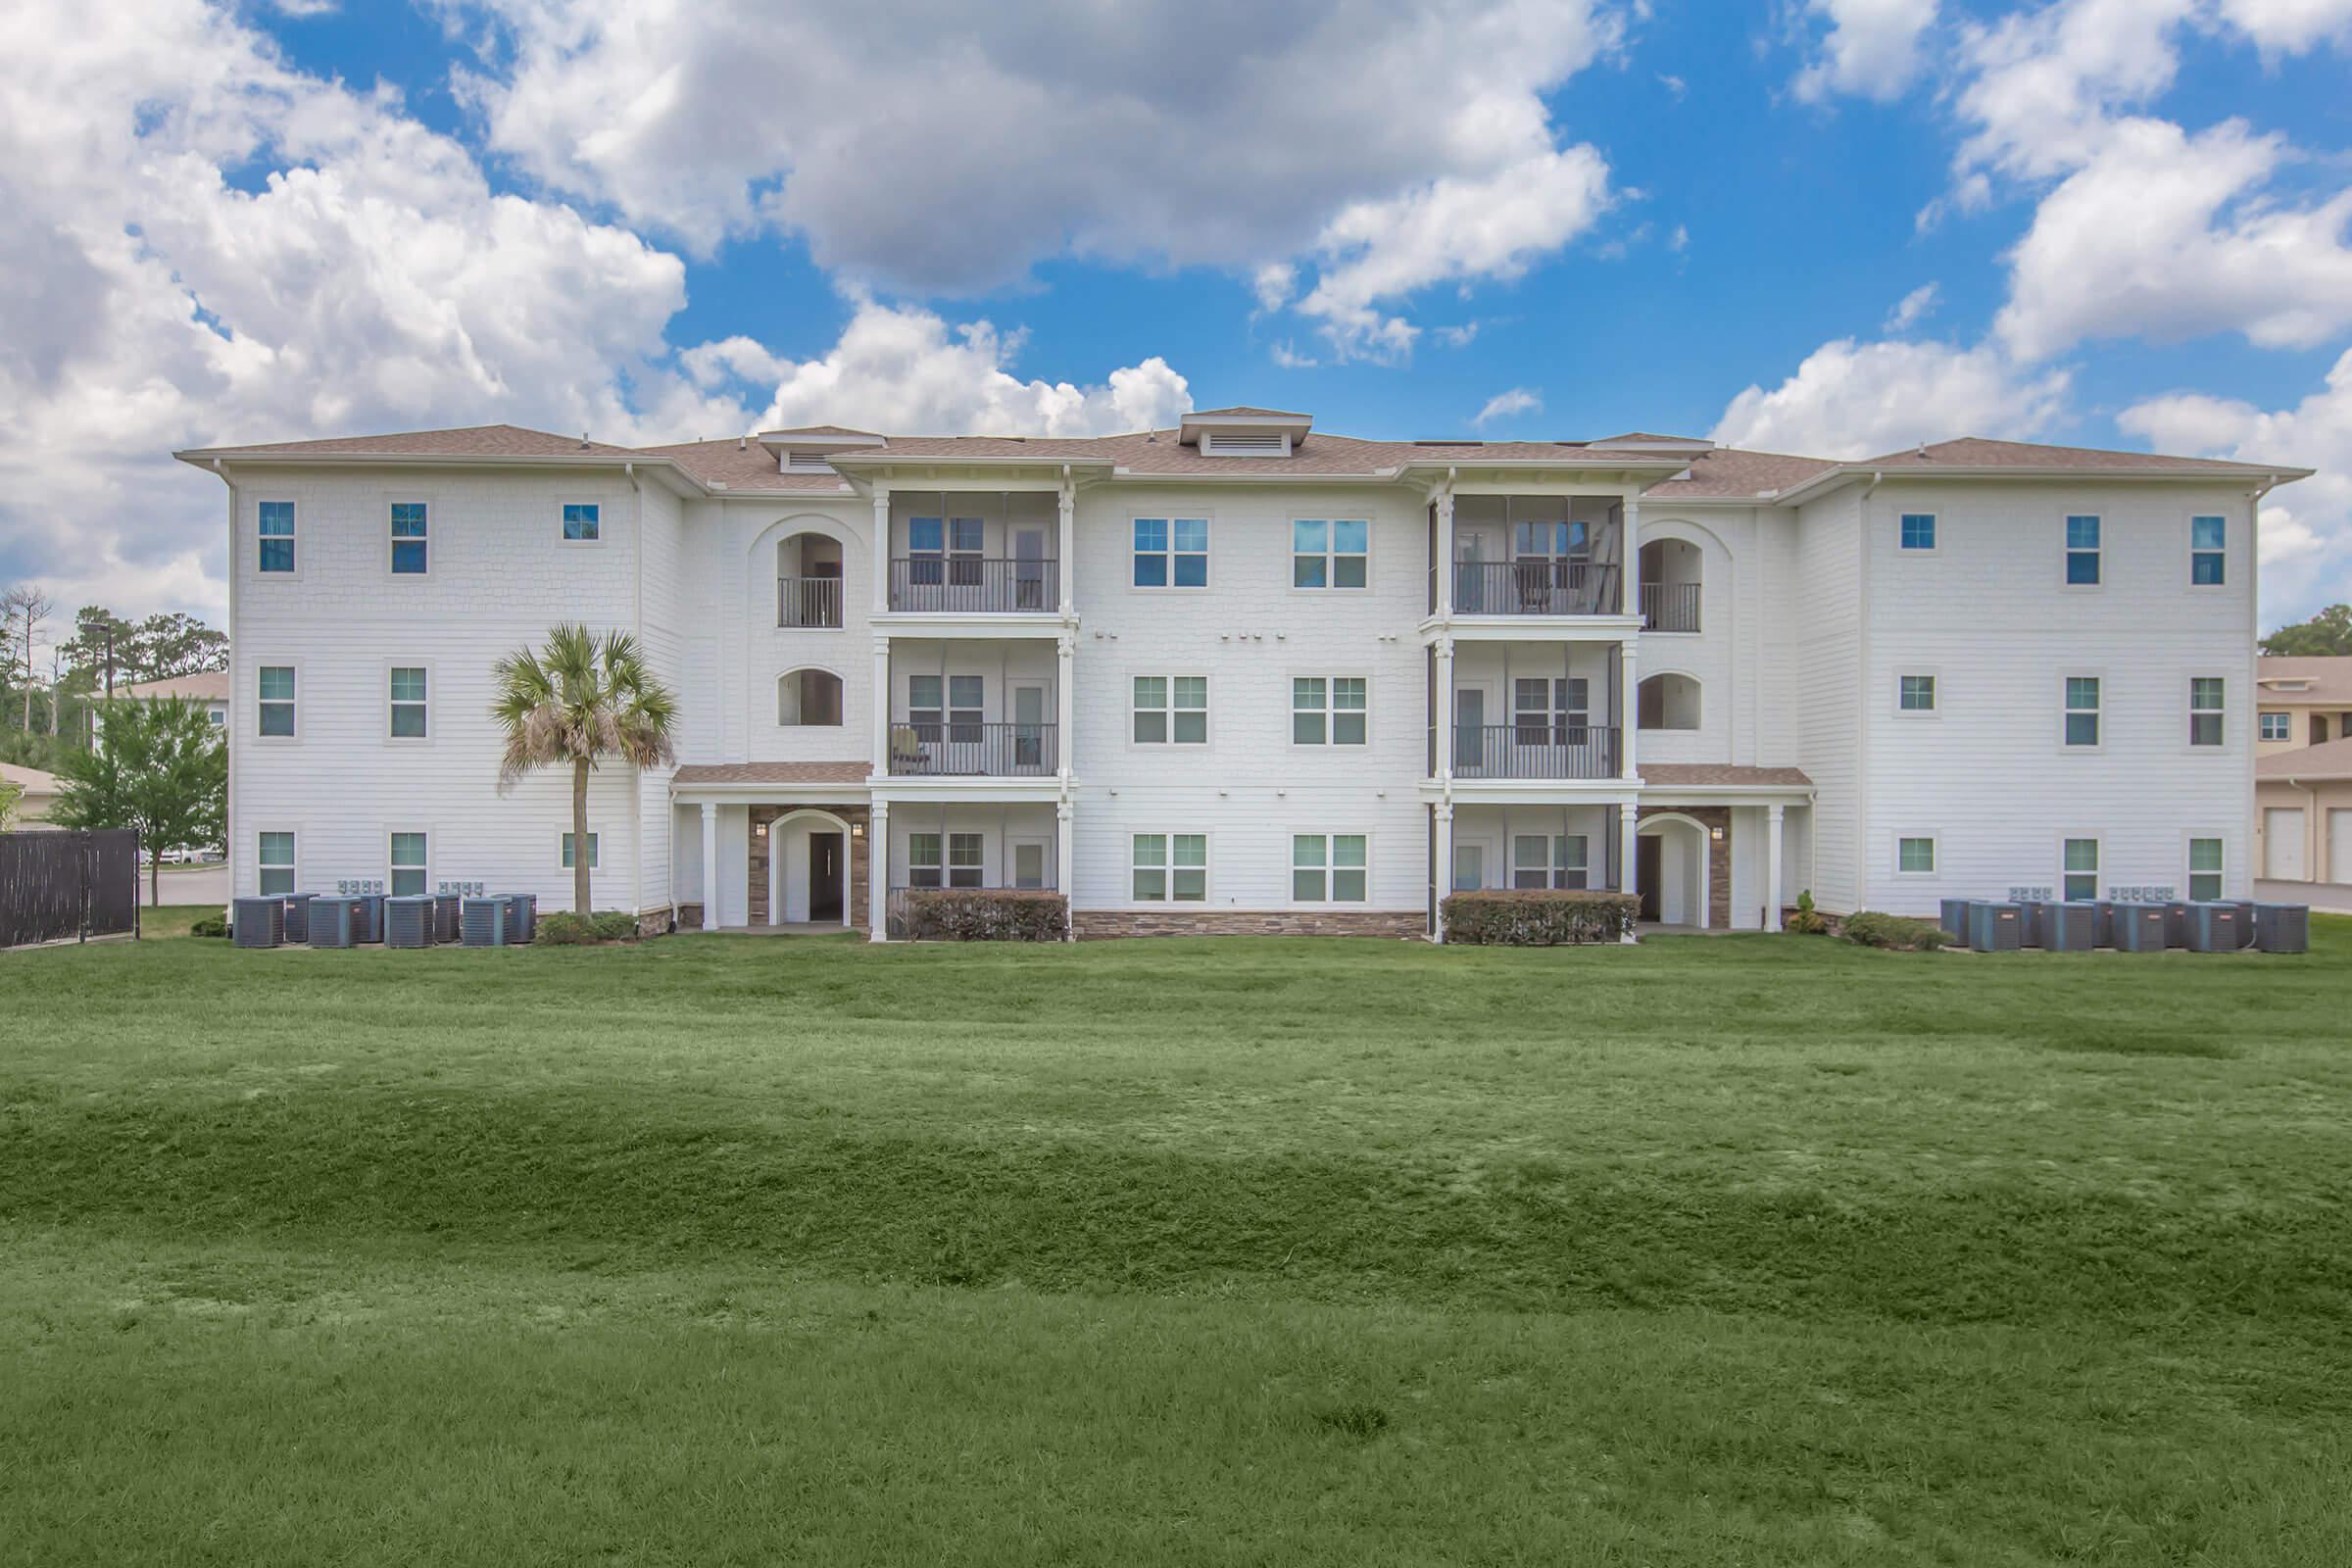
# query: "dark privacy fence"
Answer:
x=58 y=885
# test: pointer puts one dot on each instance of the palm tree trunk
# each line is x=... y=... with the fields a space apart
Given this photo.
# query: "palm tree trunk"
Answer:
x=579 y=837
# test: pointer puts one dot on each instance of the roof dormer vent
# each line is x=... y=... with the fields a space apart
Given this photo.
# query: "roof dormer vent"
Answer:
x=1244 y=432
x=1245 y=444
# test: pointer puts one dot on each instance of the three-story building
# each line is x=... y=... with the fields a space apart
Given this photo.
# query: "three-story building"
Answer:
x=1243 y=675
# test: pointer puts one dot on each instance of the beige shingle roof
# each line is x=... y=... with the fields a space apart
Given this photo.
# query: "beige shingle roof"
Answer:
x=1706 y=775
x=772 y=773
x=468 y=441
x=1975 y=452
x=738 y=467
x=2332 y=760
x=2330 y=678
x=209 y=686
x=1729 y=471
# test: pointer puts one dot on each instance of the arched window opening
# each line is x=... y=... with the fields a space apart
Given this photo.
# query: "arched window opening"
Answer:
x=809 y=697
x=808 y=580
x=1667 y=702
x=1671 y=573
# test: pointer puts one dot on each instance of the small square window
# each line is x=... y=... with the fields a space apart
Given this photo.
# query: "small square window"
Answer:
x=2205 y=869
x=2208 y=539
x=277 y=531
x=2278 y=726
x=568 y=852
x=409 y=538
x=1919 y=530
x=582 y=521
x=1330 y=555
x=1918 y=694
x=1170 y=711
x=1914 y=856
x=1171 y=553
x=1169 y=867
x=1327 y=710
x=2081 y=552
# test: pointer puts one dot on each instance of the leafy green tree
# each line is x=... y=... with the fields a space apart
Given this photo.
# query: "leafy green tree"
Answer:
x=174 y=644
x=2330 y=632
x=580 y=700
x=158 y=766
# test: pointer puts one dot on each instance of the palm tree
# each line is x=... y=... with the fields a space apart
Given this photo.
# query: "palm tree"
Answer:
x=580 y=700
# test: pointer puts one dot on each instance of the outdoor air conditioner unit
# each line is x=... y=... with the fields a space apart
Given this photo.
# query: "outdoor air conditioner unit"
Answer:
x=483 y=924
x=297 y=927
x=1993 y=927
x=2213 y=928
x=2248 y=914
x=259 y=922
x=523 y=917
x=445 y=914
x=1954 y=919
x=332 y=917
x=2067 y=927
x=410 y=922
x=2029 y=924
x=2175 y=923
x=2283 y=927
x=2136 y=927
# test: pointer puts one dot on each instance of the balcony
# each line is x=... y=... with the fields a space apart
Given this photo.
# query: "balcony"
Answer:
x=809 y=601
x=1541 y=585
x=1670 y=606
x=975 y=585
x=1536 y=751
x=972 y=749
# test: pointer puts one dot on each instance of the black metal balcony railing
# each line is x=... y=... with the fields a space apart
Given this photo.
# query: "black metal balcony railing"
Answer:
x=1670 y=606
x=808 y=600
x=972 y=751
x=975 y=585
x=1537 y=586
x=1535 y=750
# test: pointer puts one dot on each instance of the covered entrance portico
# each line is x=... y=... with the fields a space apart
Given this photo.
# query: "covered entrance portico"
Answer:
x=1722 y=848
x=770 y=846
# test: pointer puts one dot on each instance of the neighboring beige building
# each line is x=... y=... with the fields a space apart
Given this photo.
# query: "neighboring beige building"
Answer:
x=210 y=688
x=41 y=791
x=2303 y=772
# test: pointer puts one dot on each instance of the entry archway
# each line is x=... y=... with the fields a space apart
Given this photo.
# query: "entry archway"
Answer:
x=1673 y=877
x=800 y=883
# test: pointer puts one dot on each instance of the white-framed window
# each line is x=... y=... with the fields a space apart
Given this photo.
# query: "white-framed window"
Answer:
x=1550 y=710
x=274 y=529
x=2208 y=550
x=2205 y=716
x=2278 y=726
x=411 y=864
x=2082 y=551
x=965 y=695
x=410 y=525
x=410 y=713
x=2205 y=869
x=946 y=550
x=1332 y=554
x=1169 y=869
x=568 y=852
x=2082 y=710
x=274 y=707
x=1171 y=553
x=923 y=861
x=964 y=860
x=967 y=860
x=1170 y=711
x=2079 y=870
x=1914 y=856
x=583 y=522
x=1469 y=866
x=275 y=860
x=1551 y=860
x=1917 y=531
x=1329 y=709
x=1330 y=868
x=1915 y=694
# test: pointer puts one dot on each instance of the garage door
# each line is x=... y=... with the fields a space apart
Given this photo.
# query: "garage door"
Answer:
x=2283 y=843
x=2339 y=845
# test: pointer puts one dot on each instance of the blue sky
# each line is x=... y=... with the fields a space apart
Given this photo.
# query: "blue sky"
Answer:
x=1825 y=226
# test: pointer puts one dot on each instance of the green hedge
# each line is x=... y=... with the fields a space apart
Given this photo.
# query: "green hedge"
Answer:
x=208 y=925
x=565 y=929
x=986 y=914
x=1875 y=930
x=1536 y=917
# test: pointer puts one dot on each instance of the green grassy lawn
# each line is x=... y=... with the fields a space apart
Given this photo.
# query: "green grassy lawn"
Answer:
x=718 y=1250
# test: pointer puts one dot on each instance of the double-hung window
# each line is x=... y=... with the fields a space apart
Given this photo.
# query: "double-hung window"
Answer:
x=1330 y=555
x=277 y=863
x=926 y=551
x=1918 y=530
x=409 y=867
x=961 y=869
x=2205 y=710
x=2081 y=552
x=1171 y=868
x=1549 y=860
x=1327 y=710
x=924 y=709
x=2080 y=869
x=570 y=850
x=1914 y=856
x=2205 y=869
x=276 y=531
x=583 y=522
x=967 y=697
x=277 y=705
x=964 y=863
x=409 y=538
x=2207 y=542
x=922 y=860
x=2278 y=726
x=409 y=702
x=1550 y=711
x=967 y=543
x=1328 y=868
x=2081 y=710
x=1171 y=711
x=1171 y=553
x=1916 y=694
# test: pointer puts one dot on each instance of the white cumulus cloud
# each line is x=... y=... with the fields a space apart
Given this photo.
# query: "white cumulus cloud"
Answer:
x=1857 y=399
x=1871 y=49
x=1503 y=404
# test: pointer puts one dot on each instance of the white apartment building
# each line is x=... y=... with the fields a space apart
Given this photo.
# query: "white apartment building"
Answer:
x=1244 y=675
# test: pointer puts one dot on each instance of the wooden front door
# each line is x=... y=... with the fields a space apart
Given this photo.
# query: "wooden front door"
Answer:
x=828 y=875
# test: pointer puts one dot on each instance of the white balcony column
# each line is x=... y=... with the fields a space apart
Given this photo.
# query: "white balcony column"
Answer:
x=881 y=548
x=1444 y=719
x=710 y=866
x=877 y=872
x=1443 y=832
x=1772 y=814
x=1065 y=817
x=1065 y=703
x=1445 y=547
x=1628 y=821
x=1066 y=541
x=1629 y=707
x=1630 y=576
x=882 y=702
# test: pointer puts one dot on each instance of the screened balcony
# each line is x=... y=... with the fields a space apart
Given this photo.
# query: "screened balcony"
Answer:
x=964 y=553
x=1534 y=555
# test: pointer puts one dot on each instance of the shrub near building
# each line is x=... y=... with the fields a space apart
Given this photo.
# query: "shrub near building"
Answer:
x=1533 y=917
